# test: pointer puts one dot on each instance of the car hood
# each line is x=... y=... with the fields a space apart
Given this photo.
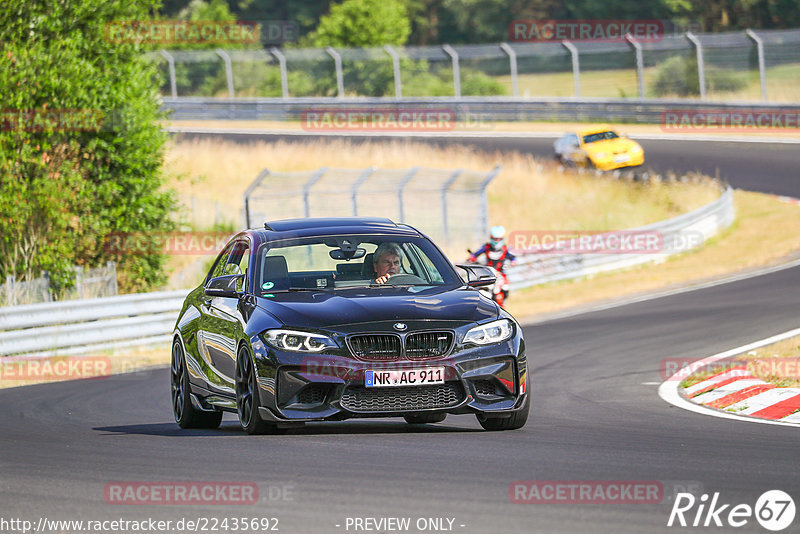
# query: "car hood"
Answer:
x=621 y=144
x=322 y=309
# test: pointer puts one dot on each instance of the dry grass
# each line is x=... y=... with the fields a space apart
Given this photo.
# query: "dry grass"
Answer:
x=778 y=363
x=488 y=127
x=766 y=231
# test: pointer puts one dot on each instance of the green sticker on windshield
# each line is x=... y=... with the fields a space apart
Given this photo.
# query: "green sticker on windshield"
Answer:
x=267 y=285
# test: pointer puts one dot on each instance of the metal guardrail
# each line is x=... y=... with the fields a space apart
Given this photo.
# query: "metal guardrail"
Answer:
x=694 y=227
x=468 y=110
x=95 y=324
x=81 y=325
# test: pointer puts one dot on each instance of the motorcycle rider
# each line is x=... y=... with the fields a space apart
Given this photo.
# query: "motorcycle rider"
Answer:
x=497 y=254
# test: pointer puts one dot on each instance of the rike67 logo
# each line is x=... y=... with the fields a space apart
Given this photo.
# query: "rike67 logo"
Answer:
x=774 y=510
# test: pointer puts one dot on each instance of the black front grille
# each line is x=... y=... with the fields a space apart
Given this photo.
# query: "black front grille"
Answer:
x=375 y=347
x=405 y=398
x=427 y=345
x=484 y=388
x=314 y=394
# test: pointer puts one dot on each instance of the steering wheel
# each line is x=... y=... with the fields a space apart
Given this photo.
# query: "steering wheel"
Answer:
x=405 y=279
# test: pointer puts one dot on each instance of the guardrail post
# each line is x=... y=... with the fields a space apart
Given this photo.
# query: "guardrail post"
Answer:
x=483 y=216
x=112 y=277
x=246 y=196
x=228 y=70
x=284 y=75
x=445 y=188
x=701 y=70
x=456 y=69
x=337 y=62
x=762 y=72
x=576 y=65
x=407 y=178
x=10 y=300
x=354 y=190
x=171 y=64
x=398 y=83
x=637 y=47
x=512 y=62
x=307 y=188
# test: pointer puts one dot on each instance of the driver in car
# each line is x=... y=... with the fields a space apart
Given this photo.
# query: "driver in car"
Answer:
x=386 y=261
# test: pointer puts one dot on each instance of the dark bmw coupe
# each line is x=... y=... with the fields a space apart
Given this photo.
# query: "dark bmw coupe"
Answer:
x=297 y=322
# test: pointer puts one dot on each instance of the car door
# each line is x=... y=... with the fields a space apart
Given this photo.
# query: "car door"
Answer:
x=221 y=323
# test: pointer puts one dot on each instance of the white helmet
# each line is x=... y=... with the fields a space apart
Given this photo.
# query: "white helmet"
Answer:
x=498 y=237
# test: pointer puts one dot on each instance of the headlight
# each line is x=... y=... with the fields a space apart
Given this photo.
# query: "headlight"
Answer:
x=488 y=333
x=296 y=341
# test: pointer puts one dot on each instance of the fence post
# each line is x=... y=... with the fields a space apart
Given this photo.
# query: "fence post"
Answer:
x=637 y=47
x=512 y=62
x=484 y=212
x=246 y=196
x=307 y=187
x=337 y=63
x=10 y=300
x=48 y=294
x=456 y=69
x=228 y=70
x=445 y=187
x=284 y=75
x=576 y=65
x=354 y=190
x=407 y=178
x=701 y=70
x=762 y=72
x=79 y=281
x=171 y=64
x=398 y=83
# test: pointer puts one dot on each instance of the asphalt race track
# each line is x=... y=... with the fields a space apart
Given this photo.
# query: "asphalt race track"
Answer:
x=596 y=416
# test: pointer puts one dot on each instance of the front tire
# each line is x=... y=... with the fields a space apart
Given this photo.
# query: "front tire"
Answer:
x=515 y=422
x=247 y=397
x=424 y=418
x=185 y=414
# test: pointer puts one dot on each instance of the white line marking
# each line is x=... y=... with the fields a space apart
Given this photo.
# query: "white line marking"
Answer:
x=668 y=390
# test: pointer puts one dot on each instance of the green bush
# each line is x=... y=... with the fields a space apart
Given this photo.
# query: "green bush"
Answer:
x=65 y=190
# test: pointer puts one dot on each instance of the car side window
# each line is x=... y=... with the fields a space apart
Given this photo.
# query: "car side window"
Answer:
x=237 y=262
x=219 y=265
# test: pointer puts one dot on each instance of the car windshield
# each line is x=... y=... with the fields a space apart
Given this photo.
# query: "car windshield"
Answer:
x=347 y=261
x=600 y=136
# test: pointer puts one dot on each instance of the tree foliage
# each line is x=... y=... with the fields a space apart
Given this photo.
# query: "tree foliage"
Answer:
x=66 y=187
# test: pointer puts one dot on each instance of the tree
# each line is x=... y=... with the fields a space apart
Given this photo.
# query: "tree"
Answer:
x=362 y=23
x=80 y=150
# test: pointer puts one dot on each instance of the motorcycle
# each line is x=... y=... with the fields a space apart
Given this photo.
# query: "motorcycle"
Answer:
x=499 y=291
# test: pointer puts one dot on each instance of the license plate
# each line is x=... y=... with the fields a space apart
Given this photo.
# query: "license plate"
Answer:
x=622 y=158
x=406 y=377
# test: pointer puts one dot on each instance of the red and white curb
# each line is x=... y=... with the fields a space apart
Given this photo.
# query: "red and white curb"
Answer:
x=734 y=393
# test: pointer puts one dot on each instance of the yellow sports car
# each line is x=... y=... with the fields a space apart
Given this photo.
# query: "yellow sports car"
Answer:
x=598 y=147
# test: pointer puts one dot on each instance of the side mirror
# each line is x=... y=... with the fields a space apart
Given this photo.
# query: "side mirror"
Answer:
x=479 y=275
x=223 y=286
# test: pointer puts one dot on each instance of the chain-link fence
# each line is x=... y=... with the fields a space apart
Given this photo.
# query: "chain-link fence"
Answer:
x=450 y=206
x=88 y=283
x=749 y=65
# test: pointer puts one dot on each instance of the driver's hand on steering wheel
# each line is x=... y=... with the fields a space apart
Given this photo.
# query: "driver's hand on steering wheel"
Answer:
x=382 y=279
